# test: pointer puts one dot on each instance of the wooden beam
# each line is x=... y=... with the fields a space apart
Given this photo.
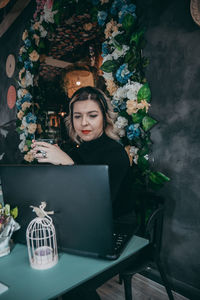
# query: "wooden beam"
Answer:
x=56 y=62
x=12 y=15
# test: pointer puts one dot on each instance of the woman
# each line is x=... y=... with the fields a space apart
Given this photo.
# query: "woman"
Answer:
x=91 y=128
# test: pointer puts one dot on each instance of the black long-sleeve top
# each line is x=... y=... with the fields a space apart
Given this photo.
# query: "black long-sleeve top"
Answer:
x=106 y=151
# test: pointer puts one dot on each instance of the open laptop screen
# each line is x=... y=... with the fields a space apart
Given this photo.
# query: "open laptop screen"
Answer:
x=78 y=195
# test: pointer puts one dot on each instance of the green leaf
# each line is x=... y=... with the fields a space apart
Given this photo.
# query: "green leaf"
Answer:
x=109 y=66
x=30 y=49
x=162 y=177
x=158 y=178
x=117 y=45
x=143 y=163
x=28 y=143
x=14 y=212
x=138 y=117
x=148 y=122
x=41 y=44
x=121 y=39
x=144 y=93
x=57 y=19
x=128 y=22
x=144 y=150
x=128 y=56
x=18 y=130
x=137 y=37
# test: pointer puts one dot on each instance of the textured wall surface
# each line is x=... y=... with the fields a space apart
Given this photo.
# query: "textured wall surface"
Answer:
x=10 y=44
x=173 y=48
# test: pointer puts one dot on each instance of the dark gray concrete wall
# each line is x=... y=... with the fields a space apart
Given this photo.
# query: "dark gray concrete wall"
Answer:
x=10 y=43
x=173 y=48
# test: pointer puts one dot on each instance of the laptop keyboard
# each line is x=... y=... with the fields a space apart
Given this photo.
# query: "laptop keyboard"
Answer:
x=120 y=240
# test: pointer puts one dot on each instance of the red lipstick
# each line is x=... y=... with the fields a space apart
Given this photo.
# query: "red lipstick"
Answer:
x=86 y=131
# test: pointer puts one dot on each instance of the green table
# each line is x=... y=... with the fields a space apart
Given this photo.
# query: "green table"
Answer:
x=71 y=271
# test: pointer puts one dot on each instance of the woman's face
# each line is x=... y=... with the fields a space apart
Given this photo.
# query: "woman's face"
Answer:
x=87 y=120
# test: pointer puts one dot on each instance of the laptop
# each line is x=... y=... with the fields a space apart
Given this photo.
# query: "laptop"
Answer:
x=80 y=199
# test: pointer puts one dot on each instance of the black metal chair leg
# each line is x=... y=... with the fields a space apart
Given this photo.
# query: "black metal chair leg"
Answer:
x=165 y=280
x=127 y=287
x=120 y=279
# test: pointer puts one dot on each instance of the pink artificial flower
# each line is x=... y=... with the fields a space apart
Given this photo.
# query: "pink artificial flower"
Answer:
x=49 y=4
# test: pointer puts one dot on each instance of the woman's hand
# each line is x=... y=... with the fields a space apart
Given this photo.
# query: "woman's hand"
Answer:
x=48 y=153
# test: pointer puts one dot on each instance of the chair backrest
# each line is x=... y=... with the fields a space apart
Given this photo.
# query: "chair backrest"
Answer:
x=153 y=230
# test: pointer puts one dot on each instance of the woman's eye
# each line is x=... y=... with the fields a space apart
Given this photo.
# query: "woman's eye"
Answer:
x=93 y=116
x=77 y=117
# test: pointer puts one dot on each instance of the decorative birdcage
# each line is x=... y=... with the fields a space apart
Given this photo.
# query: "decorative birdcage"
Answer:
x=41 y=240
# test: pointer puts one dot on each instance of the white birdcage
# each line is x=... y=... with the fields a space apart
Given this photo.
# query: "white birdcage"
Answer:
x=41 y=240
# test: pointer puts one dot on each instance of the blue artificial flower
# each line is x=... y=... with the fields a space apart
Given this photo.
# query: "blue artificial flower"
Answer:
x=126 y=9
x=123 y=74
x=28 y=65
x=27 y=43
x=30 y=118
x=105 y=49
x=123 y=105
x=116 y=105
x=102 y=15
x=20 y=58
x=31 y=136
x=19 y=104
x=95 y=2
x=27 y=98
x=132 y=132
x=117 y=5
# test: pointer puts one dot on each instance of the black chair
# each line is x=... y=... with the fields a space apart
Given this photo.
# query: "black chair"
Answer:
x=153 y=232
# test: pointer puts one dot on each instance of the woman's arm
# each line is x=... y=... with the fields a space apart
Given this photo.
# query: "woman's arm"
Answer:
x=48 y=153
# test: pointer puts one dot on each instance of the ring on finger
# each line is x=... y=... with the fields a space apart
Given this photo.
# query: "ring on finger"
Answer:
x=44 y=154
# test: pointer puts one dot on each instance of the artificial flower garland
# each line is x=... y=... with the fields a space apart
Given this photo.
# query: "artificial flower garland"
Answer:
x=122 y=69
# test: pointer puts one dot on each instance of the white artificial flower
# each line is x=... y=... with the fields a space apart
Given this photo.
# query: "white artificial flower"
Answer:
x=108 y=76
x=24 y=123
x=116 y=33
x=1 y=156
x=119 y=131
x=21 y=145
x=125 y=71
x=121 y=122
x=120 y=94
x=107 y=57
x=133 y=152
x=29 y=78
x=122 y=132
x=22 y=136
x=48 y=15
x=20 y=93
x=136 y=125
x=43 y=32
x=132 y=89
x=118 y=53
x=146 y=157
